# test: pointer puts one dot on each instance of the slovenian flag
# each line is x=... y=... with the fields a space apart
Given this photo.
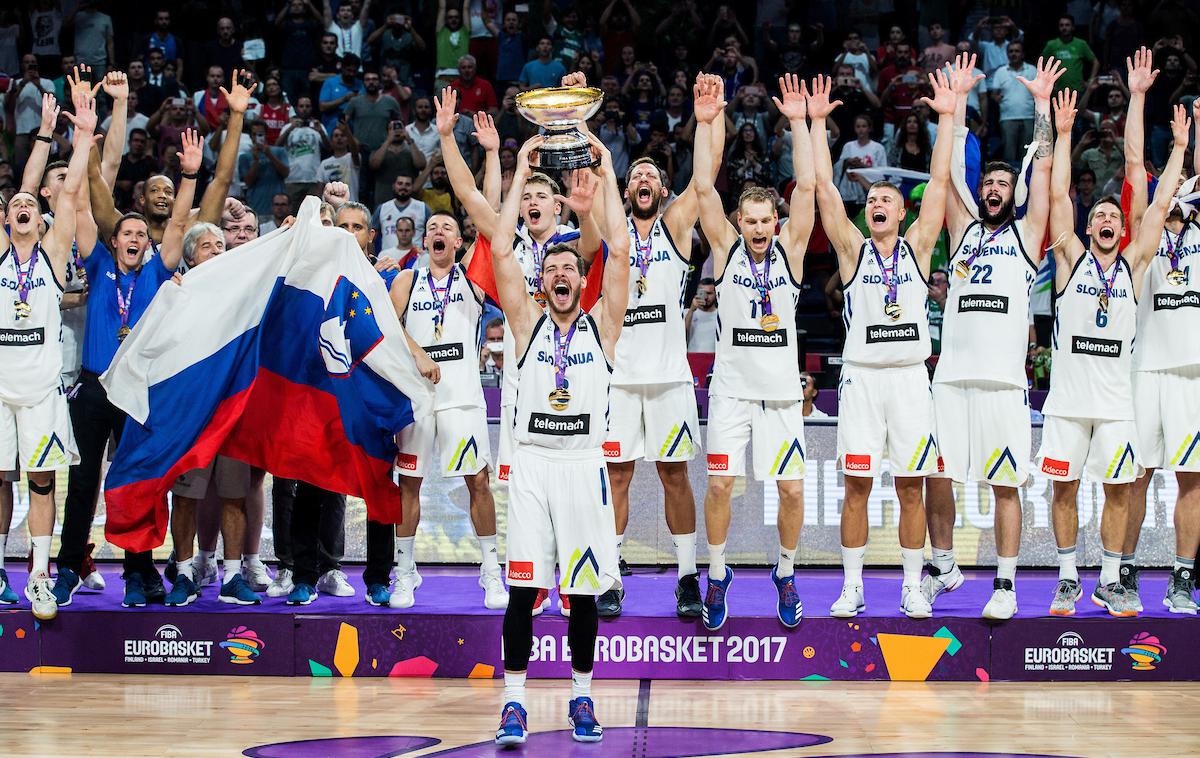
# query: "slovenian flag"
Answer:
x=483 y=275
x=285 y=353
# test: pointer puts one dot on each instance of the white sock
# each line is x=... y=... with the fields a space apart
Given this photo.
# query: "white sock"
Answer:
x=943 y=559
x=514 y=687
x=491 y=555
x=912 y=558
x=185 y=569
x=1006 y=568
x=250 y=558
x=1066 y=564
x=685 y=553
x=581 y=684
x=41 y=553
x=716 y=561
x=786 y=565
x=620 y=543
x=852 y=565
x=405 y=561
x=1180 y=563
x=1128 y=559
x=204 y=557
x=3 y=547
x=232 y=568
x=1110 y=568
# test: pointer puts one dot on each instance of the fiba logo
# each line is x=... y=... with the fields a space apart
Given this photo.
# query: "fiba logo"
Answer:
x=168 y=632
x=1070 y=639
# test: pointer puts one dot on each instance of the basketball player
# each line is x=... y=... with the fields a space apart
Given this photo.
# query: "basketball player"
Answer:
x=36 y=436
x=441 y=310
x=653 y=415
x=885 y=400
x=1089 y=412
x=559 y=508
x=1166 y=369
x=755 y=393
x=979 y=386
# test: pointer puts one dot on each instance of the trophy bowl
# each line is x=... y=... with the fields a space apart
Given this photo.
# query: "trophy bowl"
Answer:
x=559 y=110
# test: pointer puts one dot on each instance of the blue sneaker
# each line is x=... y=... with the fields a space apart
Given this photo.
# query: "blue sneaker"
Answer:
x=7 y=596
x=184 y=592
x=65 y=586
x=716 y=609
x=790 y=609
x=581 y=715
x=155 y=591
x=237 y=591
x=378 y=594
x=302 y=594
x=135 y=590
x=512 y=729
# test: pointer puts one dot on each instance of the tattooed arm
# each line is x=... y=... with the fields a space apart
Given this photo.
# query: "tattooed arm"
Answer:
x=1038 y=210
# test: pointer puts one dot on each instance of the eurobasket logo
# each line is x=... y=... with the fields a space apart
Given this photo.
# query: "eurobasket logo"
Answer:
x=243 y=645
x=1070 y=654
x=168 y=646
x=1145 y=650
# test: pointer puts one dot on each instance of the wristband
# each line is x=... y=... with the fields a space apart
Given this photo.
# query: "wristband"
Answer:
x=192 y=175
x=47 y=140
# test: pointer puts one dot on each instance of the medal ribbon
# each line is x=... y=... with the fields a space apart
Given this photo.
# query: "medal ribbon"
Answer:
x=1173 y=249
x=441 y=301
x=763 y=283
x=643 y=253
x=1108 y=281
x=984 y=243
x=23 y=277
x=562 y=343
x=891 y=276
x=125 y=302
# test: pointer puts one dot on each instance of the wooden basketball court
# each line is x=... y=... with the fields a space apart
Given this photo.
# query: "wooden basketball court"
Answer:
x=147 y=715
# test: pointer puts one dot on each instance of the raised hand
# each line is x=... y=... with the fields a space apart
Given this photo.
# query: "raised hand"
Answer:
x=336 y=193
x=584 y=185
x=1064 y=113
x=84 y=117
x=233 y=209
x=1181 y=126
x=1048 y=71
x=794 y=104
x=485 y=132
x=50 y=111
x=523 y=155
x=193 y=152
x=601 y=153
x=576 y=79
x=116 y=85
x=446 y=111
x=709 y=98
x=1141 y=71
x=818 y=101
x=76 y=83
x=238 y=95
x=962 y=75
x=944 y=99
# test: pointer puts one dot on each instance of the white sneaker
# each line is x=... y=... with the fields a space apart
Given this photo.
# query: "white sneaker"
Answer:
x=1003 y=604
x=255 y=574
x=404 y=590
x=914 y=603
x=206 y=573
x=94 y=581
x=38 y=590
x=282 y=584
x=936 y=582
x=333 y=582
x=850 y=603
x=495 y=596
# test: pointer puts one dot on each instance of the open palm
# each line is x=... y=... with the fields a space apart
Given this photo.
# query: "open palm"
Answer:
x=1141 y=71
x=709 y=101
x=1042 y=86
x=447 y=111
x=794 y=104
x=818 y=102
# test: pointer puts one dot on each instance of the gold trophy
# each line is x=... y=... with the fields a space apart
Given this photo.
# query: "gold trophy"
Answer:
x=559 y=110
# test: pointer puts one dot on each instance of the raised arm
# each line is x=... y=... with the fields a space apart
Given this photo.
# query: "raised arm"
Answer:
x=846 y=238
x=238 y=97
x=190 y=157
x=1038 y=209
x=489 y=139
x=1141 y=74
x=962 y=80
x=115 y=86
x=104 y=210
x=35 y=166
x=462 y=181
x=709 y=97
x=795 y=233
x=1145 y=243
x=1066 y=246
x=521 y=310
x=923 y=234
x=57 y=242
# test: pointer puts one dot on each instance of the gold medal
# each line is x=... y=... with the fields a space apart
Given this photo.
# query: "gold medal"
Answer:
x=560 y=398
x=540 y=298
x=769 y=322
x=962 y=269
x=1103 y=302
x=641 y=285
x=122 y=333
x=893 y=310
x=23 y=310
x=437 y=329
x=1177 y=277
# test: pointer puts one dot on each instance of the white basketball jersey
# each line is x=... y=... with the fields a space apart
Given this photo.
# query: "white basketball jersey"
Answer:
x=753 y=363
x=456 y=351
x=985 y=333
x=873 y=338
x=30 y=347
x=583 y=424
x=529 y=256
x=653 y=344
x=1168 y=314
x=73 y=319
x=1091 y=362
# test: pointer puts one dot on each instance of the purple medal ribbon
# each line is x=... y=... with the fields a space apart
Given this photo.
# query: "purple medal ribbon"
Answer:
x=890 y=275
x=1108 y=282
x=439 y=316
x=125 y=302
x=763 y=283
x=562 y=344
x=643 y=253
x=984 y=243
x=1173 y=249
x=24 y=285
